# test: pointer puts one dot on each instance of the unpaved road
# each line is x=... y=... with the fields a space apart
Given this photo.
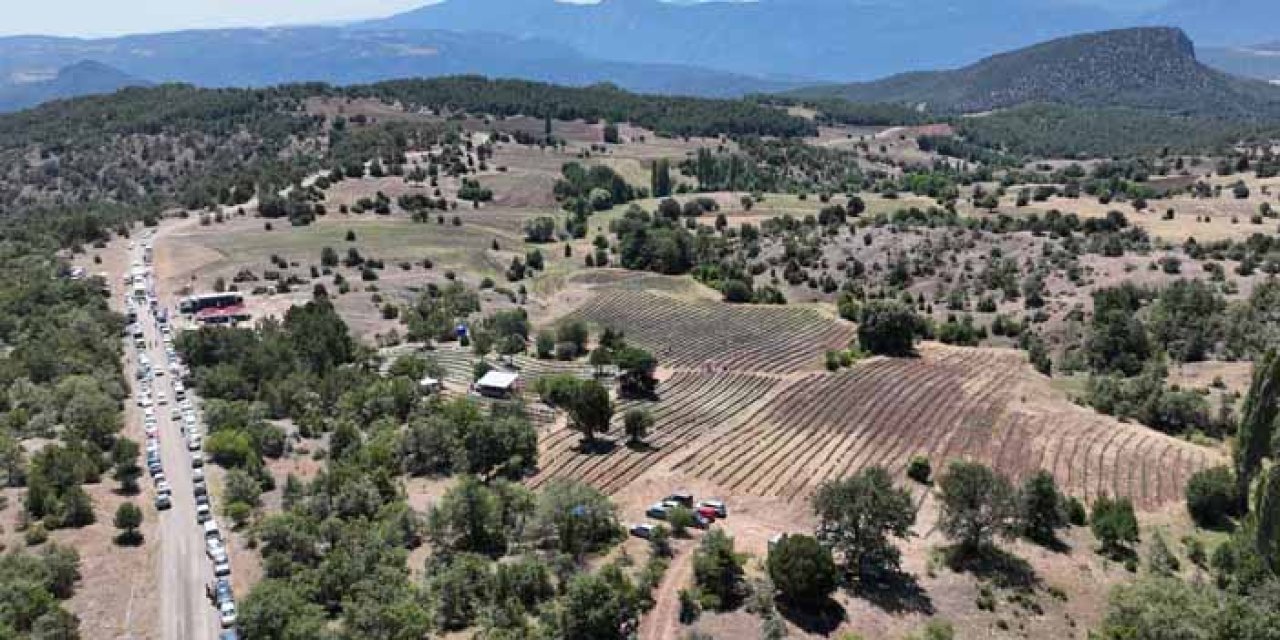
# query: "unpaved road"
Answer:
x=183 y=569
x=663 y=621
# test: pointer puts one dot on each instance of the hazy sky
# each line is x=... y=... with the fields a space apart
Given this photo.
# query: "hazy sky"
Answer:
x=116 y=17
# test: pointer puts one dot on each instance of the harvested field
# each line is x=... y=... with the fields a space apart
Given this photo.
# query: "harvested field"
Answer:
x=690 y=405
x=712 y=335
x=949 y=404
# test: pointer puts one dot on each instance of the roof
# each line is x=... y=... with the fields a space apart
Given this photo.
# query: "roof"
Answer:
x=232 y=311
x=498 y=379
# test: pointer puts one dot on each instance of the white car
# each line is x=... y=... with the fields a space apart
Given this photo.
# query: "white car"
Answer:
x=197 y=474
x=222 y=568
x=193 y=444
x=163 y=486
x=202 y=513
x=213 y=548
x=161 y=398
x=227 y=613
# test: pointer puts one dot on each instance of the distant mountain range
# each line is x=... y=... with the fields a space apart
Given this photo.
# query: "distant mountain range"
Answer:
x=1142 y=68
x=831 y=40
x=82 y=78
x=260 y=57
x=716 y=48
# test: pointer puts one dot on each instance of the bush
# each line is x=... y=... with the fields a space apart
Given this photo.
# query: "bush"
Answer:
x=920 y=470
x=802 y=570
x=1211 y=497
x=128 y=518
x=888 y=328
x=1076 y=513
x=1115 y=525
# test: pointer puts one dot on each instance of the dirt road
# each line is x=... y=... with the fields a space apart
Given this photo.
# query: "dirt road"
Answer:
x=663 y=621
x=183 y=568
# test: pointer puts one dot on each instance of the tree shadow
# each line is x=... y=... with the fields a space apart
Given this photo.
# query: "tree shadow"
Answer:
x=991 y=563
x=1052 y=543
x=822 y=619
x=640 y=446
x=597 y=446
x=895 y=592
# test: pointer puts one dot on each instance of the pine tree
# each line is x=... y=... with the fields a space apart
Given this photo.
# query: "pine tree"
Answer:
x=1267 y=531
x=661 y=179
x=1257 y=421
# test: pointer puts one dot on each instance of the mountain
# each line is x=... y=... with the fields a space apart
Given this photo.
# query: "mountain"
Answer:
x=830 y=40
x=261 y=57
x=1259 y=61
x=1144 y=68
x=86 y=77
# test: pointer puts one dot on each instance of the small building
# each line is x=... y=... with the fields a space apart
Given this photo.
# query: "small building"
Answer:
x=498 y=384
x=430 y=385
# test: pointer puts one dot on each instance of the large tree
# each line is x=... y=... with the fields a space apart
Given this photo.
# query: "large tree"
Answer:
x=858 y=515
x=1040 y=507
x=802 y=570
x=888 y=327
x=590 y=409
x=977 y=505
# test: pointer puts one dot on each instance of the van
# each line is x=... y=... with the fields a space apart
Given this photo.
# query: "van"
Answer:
x=211 y=530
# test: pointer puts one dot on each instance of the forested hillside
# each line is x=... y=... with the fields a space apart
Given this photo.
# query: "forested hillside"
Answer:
x=1148 y=68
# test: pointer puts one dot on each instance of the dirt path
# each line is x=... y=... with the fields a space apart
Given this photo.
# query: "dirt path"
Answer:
x=663 y=621
x=182 y=567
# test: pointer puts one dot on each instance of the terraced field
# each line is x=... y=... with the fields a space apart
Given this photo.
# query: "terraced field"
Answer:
x=712 y=335
x=691 y=404
x=953 y=404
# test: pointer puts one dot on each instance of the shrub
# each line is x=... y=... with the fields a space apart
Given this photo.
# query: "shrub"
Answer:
x=920 y=470
x=802 y=570
x=888 y=328
x=1211 y=497
x=128 y=518
x=1115 y=525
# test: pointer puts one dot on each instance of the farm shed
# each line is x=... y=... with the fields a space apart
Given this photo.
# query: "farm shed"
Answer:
x=498 y=384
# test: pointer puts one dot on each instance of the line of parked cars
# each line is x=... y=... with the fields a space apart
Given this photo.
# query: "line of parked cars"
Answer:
x=183 y=412
x=705 y=512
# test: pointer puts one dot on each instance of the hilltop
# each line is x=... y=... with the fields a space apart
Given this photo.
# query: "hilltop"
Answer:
x=81 y=78
x=1142 y=68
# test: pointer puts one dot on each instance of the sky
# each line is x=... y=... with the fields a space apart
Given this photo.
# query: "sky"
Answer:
x=94 y=18
x=98 y=18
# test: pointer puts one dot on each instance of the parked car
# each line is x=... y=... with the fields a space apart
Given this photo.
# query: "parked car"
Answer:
x=229 y=634
x=213 y=547
x=222 y=569
x=202 y=513
x=163 y=501
x=227 y=614
x=721 y=510
x=197 y=460
x=683 y=498
x=642 y=530
x=163 y=487
x=193 y=444
x=222 y=591
x=657 y=511
x=706 y=512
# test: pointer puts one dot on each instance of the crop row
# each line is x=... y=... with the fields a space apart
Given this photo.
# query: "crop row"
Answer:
x=713 y=335
x=957 y=404
x=690 y=404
